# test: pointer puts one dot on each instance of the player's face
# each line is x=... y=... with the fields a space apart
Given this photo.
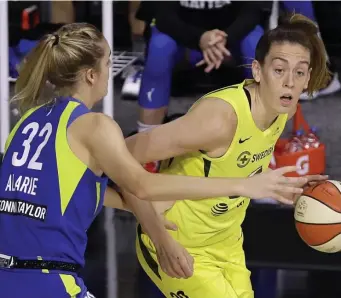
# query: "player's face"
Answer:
x=100 y=85
x=284 y=75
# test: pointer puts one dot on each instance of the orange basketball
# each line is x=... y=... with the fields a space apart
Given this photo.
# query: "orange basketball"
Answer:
x=318 y=216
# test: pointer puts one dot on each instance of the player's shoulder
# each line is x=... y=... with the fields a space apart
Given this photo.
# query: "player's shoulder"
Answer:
x=93 y=128
x=94 y=122
x=218 y=113
x=226 y=92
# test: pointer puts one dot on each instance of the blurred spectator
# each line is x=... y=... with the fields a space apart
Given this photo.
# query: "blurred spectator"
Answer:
x=140 y=16
x=213 y=30
x=137 y=26
x=62 y=12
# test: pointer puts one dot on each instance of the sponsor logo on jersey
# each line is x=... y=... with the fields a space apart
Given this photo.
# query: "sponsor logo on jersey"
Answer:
x=178 y=294
x=246 y=157
x=18 y=207
x=263 y=154
x=219 y=209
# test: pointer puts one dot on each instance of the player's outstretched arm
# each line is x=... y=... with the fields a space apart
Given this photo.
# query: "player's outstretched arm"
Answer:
x=210 y=125
x=105 y=142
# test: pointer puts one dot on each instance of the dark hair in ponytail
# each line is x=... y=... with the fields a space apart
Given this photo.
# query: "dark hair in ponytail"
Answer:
x=300 y=30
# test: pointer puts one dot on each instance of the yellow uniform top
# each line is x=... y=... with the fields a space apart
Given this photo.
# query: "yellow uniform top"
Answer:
x=208 y=221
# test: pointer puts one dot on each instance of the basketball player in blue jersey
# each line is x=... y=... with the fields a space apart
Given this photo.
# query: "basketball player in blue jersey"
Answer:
x=53 y=177
x=230 y=132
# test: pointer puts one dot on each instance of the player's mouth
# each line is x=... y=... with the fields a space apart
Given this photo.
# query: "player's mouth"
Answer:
x=286 y=99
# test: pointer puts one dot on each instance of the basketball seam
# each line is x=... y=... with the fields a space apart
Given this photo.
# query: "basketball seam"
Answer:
x=322 y=203
x=336 y=187
x=319 y=224
x=326 y=241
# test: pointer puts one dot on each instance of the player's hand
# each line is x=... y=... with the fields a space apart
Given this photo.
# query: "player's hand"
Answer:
x=273 y=184
x=173 y=258
x=312 y=180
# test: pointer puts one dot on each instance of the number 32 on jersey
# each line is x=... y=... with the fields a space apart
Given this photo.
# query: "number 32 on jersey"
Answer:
x=32 y=130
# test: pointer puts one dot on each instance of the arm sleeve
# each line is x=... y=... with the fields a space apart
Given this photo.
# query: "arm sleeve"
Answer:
x=169 y=22
x=250 y=15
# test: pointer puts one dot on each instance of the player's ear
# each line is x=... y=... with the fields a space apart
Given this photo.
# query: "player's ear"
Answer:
x=256 y=68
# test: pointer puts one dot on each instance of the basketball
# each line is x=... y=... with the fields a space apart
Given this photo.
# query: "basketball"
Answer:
x=318 y=216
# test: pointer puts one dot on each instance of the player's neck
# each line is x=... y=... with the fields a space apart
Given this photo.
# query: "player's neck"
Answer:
x=262 y=115
x=85 y=98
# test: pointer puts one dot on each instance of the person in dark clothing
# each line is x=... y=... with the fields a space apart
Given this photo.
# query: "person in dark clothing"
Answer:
x=212 y=30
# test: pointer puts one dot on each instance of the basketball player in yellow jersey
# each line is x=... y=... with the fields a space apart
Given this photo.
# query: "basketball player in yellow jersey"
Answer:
x=230 y=132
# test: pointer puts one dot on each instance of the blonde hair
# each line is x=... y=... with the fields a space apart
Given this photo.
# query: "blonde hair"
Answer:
x=58 y=59
x=301 y=30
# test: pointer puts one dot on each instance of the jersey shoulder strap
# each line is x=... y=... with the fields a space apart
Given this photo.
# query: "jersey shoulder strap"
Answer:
x=234 y=95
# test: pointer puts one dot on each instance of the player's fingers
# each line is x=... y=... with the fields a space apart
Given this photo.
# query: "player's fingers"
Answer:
x=316 y=177
x=285 y=170
x=167 y=268
x=282 y=199
x=288 y=189
x=190 y=262
x=178 y=266
x=170 y=225
x=165 y=264
x=293 y=180
x=185 y=267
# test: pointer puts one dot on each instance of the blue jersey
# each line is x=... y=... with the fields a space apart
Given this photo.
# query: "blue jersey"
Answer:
x=48 y=197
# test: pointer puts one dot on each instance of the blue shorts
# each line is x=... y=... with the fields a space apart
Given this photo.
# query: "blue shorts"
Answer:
x=32 y=283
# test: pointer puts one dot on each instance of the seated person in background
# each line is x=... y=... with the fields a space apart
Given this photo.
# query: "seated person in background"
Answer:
x=213 y=29
x=140 y=16
x=306 y=8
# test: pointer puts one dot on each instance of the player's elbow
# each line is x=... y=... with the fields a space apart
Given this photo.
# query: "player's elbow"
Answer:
x=142 y=193
x=140 y=190
x=146 y=189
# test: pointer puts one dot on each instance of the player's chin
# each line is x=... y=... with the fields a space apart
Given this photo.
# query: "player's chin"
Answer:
x=286 y=107
x=283 y=110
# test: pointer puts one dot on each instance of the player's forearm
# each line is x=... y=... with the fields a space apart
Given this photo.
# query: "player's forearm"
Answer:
x=143 y=148
x=159 y=187
x=146 y=216
x=113 y=200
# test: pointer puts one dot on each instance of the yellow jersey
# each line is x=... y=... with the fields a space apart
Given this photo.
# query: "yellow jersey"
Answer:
x=208 y=221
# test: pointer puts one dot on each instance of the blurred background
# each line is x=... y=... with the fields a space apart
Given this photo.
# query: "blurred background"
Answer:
x=156 y=46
